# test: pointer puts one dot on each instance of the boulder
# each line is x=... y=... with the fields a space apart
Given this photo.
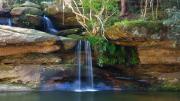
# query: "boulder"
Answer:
x=27 y=15
x=30 y=4
x=14 y=40
x=63 y=17
x=28 y=21
x=18 y=11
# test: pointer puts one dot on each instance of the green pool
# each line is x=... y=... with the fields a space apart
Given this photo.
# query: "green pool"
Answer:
x=90 y=96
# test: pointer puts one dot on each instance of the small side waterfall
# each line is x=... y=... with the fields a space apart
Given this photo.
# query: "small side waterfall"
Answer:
x=88 y=83
x=9 y=22
x=6 y=21
x=48 y=25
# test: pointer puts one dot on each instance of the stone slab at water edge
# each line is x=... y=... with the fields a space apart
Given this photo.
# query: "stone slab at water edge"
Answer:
x=14 y=40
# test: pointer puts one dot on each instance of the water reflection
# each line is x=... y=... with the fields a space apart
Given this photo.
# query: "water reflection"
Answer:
x=66 y=96
x=89 y=96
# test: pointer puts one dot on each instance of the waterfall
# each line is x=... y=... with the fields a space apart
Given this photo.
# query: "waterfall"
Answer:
x=83 y=79
x=89 y=65
x=88 y=84
x=5 y=21
x=48 y=25
x=9 y=22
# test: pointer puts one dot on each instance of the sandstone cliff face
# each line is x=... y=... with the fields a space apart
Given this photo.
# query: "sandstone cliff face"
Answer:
x=24 y=53
x=158 y=56
x=15 y=40
x=150 y=50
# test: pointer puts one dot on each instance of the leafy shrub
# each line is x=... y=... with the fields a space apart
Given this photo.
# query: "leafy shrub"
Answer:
x=109 y=53
x=95 y=15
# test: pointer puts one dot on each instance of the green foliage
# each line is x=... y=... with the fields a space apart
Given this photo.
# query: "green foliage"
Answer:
x=170 y=86
x=95 y=15
x=111 y=6
x=109 y=53
x=111 y=10
x=75 y=36
x=166 y=86
x=134 y=57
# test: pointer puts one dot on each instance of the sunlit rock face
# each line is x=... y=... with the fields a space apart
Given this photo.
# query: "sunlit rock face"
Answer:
x=25 y=53
x=15 y=40
x=158 y=55
x=135 y=35
x=18 y=40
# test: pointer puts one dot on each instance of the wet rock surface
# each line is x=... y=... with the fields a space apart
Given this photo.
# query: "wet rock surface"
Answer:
x=26 y=77
x=158 y=77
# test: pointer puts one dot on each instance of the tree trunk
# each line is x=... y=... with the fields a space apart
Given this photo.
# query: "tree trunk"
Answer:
x=124 y=8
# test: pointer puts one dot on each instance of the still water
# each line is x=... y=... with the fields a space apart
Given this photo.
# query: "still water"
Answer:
x=89 y=96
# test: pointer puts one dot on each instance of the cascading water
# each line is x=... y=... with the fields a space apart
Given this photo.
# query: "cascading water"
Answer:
x=48 y=25
x=83 y=77
x=5 y=21
x=88 y=84
x=78 y=53
x=9 y=22
x=89 y=65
